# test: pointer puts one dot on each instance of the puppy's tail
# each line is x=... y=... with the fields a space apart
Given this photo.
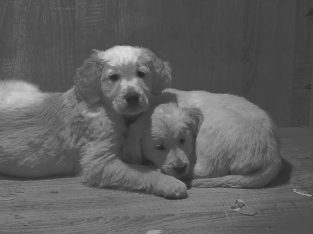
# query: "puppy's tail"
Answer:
x=255 y=180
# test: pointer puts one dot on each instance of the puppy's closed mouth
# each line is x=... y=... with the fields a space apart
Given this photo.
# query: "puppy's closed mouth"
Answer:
x=130 y=108
x=185 y=177
x=132 y=111
x=167 y=170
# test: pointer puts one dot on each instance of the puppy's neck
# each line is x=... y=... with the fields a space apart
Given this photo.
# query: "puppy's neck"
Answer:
x=129 y=119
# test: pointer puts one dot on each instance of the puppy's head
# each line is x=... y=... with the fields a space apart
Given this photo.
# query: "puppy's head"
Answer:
x=123 y=77
x=169 y=142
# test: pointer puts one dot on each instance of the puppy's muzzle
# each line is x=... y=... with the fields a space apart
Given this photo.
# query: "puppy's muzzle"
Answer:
x=181 y=168
x=176 y=169
x=132 y=98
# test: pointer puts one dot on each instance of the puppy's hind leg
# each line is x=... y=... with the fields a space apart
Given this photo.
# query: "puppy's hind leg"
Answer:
x=255 y=180
x=261 y=177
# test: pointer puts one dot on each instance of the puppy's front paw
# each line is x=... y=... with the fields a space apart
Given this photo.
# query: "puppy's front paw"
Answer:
x=170 y=187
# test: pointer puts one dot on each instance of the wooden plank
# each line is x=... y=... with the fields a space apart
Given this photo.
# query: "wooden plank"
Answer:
x=301 y=95
x=37 y=43
x=3 y=9
x=241 y=47
x=64 y=205
x=308 y=6
x=301 y=89
x=311 y=103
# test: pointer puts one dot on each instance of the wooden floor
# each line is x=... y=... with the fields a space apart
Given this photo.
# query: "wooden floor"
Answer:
x=64 y=205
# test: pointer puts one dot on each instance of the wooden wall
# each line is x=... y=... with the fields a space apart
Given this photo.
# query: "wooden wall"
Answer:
x=254 y=48
x=303 y=65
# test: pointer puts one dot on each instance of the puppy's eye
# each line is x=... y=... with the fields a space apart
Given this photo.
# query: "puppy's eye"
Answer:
x=114 y=77
x=182 y=141
x=160 y=147
x=141 y=74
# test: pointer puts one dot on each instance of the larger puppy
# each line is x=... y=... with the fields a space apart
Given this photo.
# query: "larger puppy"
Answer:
x=55 y=134
x=236 y=145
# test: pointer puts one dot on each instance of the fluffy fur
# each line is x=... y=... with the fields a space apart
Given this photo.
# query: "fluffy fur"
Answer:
x=164 y=137
x=16 y=94
x=236 y=145
x=83 y=129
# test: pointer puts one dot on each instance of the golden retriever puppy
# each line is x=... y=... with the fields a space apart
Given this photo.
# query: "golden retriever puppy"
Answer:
x=83 y=130
x=164 y=137
x=236 y=145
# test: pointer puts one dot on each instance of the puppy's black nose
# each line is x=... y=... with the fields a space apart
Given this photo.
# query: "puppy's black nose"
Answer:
x=132 y=98
x=180 y=168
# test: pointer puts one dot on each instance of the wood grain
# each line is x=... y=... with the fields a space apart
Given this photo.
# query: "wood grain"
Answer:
x=245 y=47
x=257 y=49
x=64 y=205
x=303 y=64
x=37 y=43
x=307 y=7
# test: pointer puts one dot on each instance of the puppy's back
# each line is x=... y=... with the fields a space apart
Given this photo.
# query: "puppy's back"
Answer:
x=16 y=94
x=32 y=126
x=26 y=113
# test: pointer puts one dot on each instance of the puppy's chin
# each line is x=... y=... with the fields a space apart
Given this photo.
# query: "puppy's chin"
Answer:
x=123 y=108
x=168 y=170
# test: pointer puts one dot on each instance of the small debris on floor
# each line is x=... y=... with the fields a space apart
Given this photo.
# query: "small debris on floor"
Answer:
x=54 y=191
x=6 y=198
x=237 y=205
x=241 y=207
x=154 y=232
x=302 y=192
x=18 y=216
x=18 y=190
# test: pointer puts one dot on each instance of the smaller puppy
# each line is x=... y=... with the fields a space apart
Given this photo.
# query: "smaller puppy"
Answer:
x=236 y=144
x=164 y=137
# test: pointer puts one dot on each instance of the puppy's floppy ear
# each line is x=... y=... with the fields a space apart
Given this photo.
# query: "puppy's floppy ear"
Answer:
x=162 y=72
x=88 y=79
x=163 y=77
x=196 y=118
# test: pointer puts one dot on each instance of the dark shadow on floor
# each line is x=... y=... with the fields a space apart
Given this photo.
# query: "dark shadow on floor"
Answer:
x=4 y=177
x=284 y=175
